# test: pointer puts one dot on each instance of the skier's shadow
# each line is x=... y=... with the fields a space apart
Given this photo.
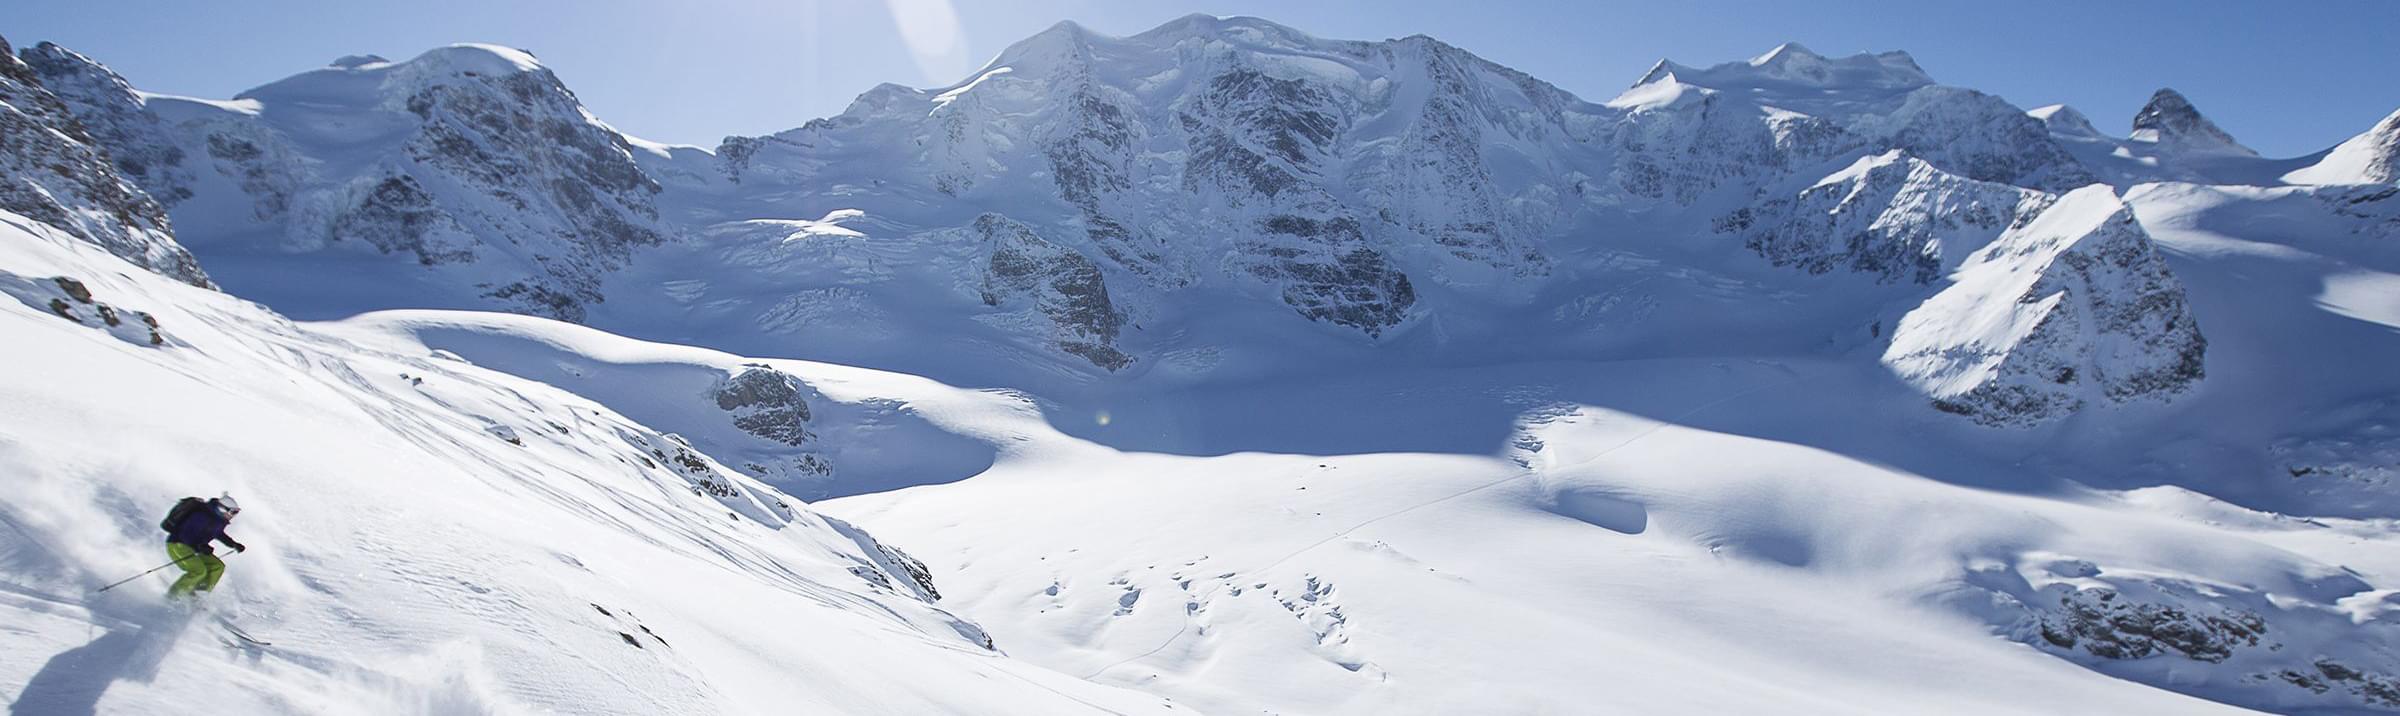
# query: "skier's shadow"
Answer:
x=73 y=680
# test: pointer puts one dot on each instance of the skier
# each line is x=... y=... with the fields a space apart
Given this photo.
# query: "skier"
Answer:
x=191 y=526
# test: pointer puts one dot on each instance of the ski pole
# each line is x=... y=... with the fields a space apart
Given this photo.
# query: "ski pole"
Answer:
x=122 y=582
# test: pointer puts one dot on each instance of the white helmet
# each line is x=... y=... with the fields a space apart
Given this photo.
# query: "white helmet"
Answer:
x=226 y=504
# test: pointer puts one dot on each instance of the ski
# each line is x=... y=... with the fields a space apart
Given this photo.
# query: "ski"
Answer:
x=242 y=635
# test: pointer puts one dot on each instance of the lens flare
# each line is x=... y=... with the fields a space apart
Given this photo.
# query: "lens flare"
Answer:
x=934 y=36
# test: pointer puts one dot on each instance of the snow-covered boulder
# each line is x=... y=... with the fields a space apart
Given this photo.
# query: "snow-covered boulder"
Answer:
x=2372 y=157
x=2073 y=306
x=54 y=170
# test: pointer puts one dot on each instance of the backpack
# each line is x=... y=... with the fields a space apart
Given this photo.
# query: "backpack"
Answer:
x=183 y=509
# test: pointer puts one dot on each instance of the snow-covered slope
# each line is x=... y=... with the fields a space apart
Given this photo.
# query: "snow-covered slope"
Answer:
x=2372 y=157
x=1303 y=375
x=1657 y=536
x=425 y=536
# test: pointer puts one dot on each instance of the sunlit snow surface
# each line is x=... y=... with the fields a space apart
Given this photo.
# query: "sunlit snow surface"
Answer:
x=1627 y=455
x=426 y=536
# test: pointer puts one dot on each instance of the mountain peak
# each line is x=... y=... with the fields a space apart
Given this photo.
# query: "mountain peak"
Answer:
x=1786 y=54
x=2170 y=119
x=1252 y=29
x=355 y=77
x=1792 y=65
x=2062 y=119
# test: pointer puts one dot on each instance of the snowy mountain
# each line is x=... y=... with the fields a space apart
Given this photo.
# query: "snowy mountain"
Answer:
x=2071 y=304
x=470 y=162
x=53 y=169
x=1083 y=205
x=1218 y=367
x=2172 y=123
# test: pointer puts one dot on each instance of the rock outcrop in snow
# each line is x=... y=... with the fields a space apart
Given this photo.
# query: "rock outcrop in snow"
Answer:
x=2286 y=652
x=114 y=113
x=773 y=406
x=2074 y=306
x=1890 y=215
x=54 y=170
x=1066 y=289
x=2372 y=157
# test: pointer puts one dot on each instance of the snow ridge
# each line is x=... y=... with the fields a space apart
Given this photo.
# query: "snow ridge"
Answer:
x=2372 y=157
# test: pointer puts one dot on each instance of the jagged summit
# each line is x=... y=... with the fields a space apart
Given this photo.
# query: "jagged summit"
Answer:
x=1794 y=65
x=2171 y=120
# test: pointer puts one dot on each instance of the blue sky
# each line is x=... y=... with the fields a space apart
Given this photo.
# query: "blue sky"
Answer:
x=2285 y=77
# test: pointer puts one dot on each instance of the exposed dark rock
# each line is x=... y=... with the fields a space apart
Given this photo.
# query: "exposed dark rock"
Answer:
x=114 y=115
x=2171 y=119
x=1889 y=216
x=2102 y=624
x=768 y=403
x=1065 y=286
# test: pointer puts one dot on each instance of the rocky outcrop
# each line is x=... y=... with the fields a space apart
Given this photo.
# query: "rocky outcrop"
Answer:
x=773 y=406
x=542 y=178
x=137 y=141
x=767 y=403
x=2072 y=307
x=1260 y=144
x=1892 y=216
x=2099 y=622
x=2170 y=120
x=54 y=171
x=1067 y=288
x=2312 y=637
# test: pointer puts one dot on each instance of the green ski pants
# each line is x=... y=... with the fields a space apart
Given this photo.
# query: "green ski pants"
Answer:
x=200 y=571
